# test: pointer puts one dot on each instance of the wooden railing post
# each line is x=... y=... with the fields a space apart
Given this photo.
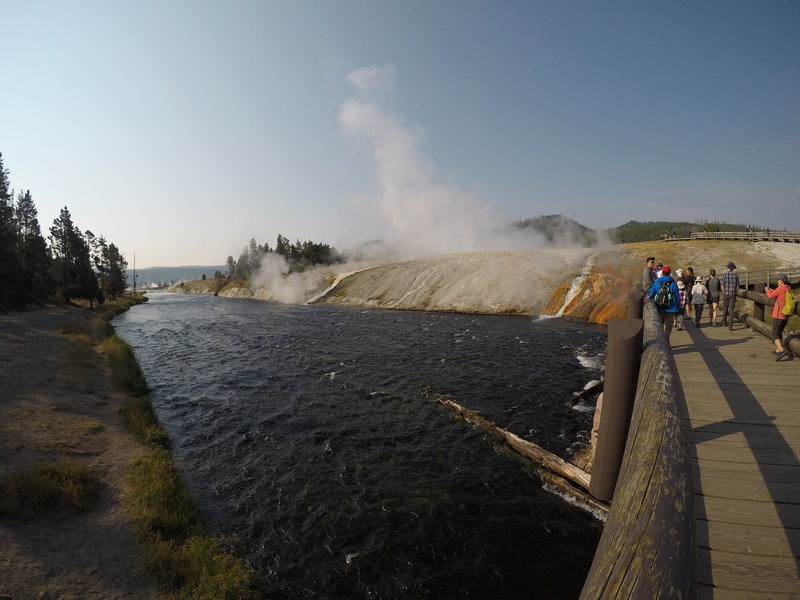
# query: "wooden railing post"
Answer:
x=758 y=307
x=635 y=302
x=622 y=373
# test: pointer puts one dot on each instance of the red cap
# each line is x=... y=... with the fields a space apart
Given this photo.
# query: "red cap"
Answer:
x=666 y=271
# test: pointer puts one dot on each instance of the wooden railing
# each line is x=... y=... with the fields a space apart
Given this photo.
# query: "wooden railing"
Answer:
x=757 y=321
x=648 y=548
x=748 y=236
x=757 y=279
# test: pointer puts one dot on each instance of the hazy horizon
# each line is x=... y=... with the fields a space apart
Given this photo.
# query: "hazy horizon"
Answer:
x=181 y=130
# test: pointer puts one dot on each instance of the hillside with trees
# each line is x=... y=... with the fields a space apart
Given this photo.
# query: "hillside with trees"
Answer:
x=74 y=264
x=298 y=256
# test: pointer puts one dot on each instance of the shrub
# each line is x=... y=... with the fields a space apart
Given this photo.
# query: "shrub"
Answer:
x=48 y=486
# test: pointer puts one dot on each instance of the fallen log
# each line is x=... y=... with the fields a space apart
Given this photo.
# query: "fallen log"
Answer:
x=562 y=470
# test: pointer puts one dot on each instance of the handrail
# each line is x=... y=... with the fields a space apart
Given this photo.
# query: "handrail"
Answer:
x=748 y=278
x=648 y=547
x=749 y=236
x=757 y=322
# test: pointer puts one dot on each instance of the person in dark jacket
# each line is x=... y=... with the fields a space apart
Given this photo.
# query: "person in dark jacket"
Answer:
x=649 y=273
x=667 y=314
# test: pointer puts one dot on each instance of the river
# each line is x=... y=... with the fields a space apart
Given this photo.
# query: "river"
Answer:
x=305 y=434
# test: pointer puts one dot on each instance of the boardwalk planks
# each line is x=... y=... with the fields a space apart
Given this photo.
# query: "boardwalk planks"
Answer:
x=744 y=434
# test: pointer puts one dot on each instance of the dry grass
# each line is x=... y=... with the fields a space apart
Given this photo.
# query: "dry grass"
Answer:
x=47 y=487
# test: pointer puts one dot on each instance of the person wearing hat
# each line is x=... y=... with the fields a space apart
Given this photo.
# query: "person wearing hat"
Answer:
x=698 y=300
x=683 y=295
x=649 y=273
x=730 y=285
x=779 y=319
x=667 y=314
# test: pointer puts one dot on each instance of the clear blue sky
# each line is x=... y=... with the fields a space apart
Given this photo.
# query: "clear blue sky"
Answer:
x=181 y=129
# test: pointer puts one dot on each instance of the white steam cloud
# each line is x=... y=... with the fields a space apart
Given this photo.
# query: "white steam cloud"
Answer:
x=423 y=217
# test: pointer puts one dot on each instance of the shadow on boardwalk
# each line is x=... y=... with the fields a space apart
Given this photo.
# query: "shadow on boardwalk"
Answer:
x=743 y=434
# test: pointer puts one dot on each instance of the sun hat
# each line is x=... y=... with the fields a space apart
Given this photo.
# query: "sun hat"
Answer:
x=681 y=285
x=731 y=266
x=666 y=270
x=679 y=272
x=783 y=277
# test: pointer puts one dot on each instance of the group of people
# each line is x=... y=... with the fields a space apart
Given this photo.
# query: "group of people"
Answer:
x=688 y=294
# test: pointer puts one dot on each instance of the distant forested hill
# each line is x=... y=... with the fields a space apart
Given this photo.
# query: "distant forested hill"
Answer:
x=560 y=229
x=166 y=275
x=636 y=231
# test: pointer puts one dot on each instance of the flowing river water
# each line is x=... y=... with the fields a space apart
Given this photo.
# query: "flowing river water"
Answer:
x=305 y=434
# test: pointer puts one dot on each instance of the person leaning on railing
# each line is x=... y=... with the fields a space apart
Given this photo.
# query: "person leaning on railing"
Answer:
x=779 y=319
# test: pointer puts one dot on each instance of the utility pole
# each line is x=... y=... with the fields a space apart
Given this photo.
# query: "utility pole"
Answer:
x=134 y=273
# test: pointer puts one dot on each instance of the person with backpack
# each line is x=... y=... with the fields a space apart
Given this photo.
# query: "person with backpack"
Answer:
x=730 y=285
x=779 y=315
x=665 y=295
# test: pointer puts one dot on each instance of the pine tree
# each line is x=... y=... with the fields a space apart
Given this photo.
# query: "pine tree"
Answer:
x=72 y=263
x=34 y=255
x=11 y=273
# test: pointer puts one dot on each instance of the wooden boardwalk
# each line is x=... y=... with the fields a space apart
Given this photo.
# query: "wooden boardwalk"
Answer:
x=744 y=437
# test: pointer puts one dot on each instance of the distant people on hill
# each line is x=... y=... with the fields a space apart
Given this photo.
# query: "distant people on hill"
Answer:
x=714 y=293
x=730 y=284
x=667 y=313
x=698 y=299
x=689 y=279
x=779 y=320
x=649 y=273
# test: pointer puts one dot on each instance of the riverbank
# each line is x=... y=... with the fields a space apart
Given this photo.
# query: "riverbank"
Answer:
x=58 y=404
x=585 y=284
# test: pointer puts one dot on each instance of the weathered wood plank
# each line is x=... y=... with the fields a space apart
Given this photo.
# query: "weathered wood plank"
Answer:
x=747 y=572
x=775 y=455
x=749 y=512
x=738 y=440
x=753 y=489
x=707 y=592
x=747 y=539
x=745 y=472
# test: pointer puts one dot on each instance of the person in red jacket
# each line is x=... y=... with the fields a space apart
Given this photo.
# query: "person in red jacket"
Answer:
x=779 y=319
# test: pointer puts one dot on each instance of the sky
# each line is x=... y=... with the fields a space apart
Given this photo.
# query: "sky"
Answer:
x=181 y=129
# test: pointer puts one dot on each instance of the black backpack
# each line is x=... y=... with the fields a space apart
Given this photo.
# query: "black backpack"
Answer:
x=664 y=295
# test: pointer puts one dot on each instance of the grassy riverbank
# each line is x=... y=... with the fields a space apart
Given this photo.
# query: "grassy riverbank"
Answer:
x=178 y=551
x=86 y=510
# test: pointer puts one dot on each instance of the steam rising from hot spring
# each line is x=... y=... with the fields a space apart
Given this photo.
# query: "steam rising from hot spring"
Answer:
x=422 y=217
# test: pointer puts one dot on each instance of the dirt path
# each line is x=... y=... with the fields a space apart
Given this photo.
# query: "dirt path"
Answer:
x=56 y=402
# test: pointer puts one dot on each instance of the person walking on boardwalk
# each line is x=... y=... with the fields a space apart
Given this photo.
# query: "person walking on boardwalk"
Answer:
x=689 y=280
x=714 y=290
x=699 y=294
x=668 y=311
x=683 y=295
x=730 y=284
x=779 y=319
x=649 y=273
